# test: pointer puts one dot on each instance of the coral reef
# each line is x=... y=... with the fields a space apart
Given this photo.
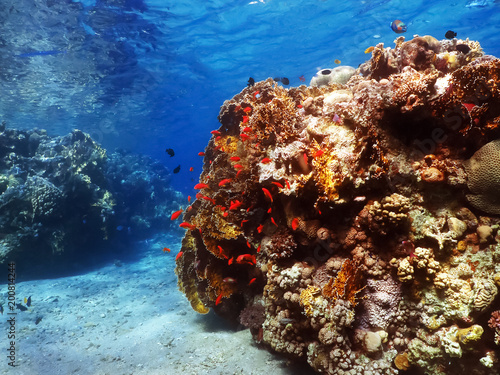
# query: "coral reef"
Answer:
x=63 y=198
x=357 y=219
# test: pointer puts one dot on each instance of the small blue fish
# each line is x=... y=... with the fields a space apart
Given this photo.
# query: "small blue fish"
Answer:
x=398 y=27
x=1 y=309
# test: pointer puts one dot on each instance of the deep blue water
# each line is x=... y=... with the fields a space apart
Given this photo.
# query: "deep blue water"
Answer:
x=146 y=75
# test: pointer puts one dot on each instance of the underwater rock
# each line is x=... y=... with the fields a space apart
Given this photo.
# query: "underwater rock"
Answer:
x=346 y=214
x=63 y=198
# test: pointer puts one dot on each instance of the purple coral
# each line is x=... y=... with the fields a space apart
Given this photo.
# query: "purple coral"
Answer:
x=253 y=316
x=494 y=321
x=380 y=304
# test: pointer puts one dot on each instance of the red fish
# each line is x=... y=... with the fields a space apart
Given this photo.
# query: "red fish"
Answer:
x=305 y=157
x=245 y=119
x=199 y=195
x=189 y=208
x=247 y=129
x=252 y=281
x=217 y=301
x=200 y=186
x=190 y=169
x=469 y=106
x=234 y=158
x=277 y=184
x=295 y=223
x=224 y=181
x=234 y=205
x=247 y=109
x=225 y=214
x=318 y=153
x=179 y=255
x=266 y=161
x=270 y=210
x=230 y=261
x=244 y=137
x=215 y=132
x=287 y=184
x=175 y=215
x=201 y=153
x=187 y=226
x=267 y=194
x=258 y=249
x=246 y=258
x=259 y=228
x=238 y=166
x=243 y=222
x=208 y=199
x=248 y=244
x=302 y=78
x=166 y=250
x=272 y=220
x=238 y=173
x=255 y=94
x=299 y=105
x=189 y=198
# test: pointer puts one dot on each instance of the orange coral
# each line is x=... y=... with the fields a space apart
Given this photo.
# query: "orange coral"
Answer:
x=346 y=285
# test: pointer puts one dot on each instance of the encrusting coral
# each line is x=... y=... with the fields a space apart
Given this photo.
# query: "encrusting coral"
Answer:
x=337 y=221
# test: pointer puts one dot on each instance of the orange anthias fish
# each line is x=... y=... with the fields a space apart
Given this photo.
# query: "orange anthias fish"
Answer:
x=200 y=186
x=166 y=250
x=201 y=153
x=252 y=281
x=244 y=137
x=176 y=214
x=215 y=132
x=246 y=259
x=247 y=109
x=259 y=228
x=224 y=181
x=267 y=194
x=266 y=161
x=234 y=158
x=179 y=255
x=247 y=129
x=234 y=205
x=237 y=166
x=187 y=226
x=219 y=298
x=318 y=153
x=295 y=223
x=277 y=184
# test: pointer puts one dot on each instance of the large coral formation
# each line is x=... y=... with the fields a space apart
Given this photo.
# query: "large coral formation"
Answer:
x=341 y=214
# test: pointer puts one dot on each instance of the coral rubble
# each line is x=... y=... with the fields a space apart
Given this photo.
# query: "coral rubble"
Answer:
x=354 y=226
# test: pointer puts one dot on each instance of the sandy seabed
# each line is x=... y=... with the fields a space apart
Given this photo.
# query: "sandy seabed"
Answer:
x=128 y=318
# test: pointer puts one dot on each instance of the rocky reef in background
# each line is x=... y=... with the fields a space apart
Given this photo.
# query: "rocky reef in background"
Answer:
x=355 y=226
x=62 y=199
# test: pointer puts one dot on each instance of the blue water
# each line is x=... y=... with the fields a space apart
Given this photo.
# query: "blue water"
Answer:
x=146 y=75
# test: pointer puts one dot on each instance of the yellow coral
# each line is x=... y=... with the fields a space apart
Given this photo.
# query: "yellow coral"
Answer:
x=346 y=285
x=308 y=299
x=210 y=218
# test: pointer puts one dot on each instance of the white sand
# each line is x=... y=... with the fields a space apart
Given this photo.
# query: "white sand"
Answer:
x=128 y=320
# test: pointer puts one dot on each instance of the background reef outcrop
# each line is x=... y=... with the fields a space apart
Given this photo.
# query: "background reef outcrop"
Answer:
x=341 y=223
x=63 y=198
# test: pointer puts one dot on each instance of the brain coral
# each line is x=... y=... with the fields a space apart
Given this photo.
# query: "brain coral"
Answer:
x=483 y=172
